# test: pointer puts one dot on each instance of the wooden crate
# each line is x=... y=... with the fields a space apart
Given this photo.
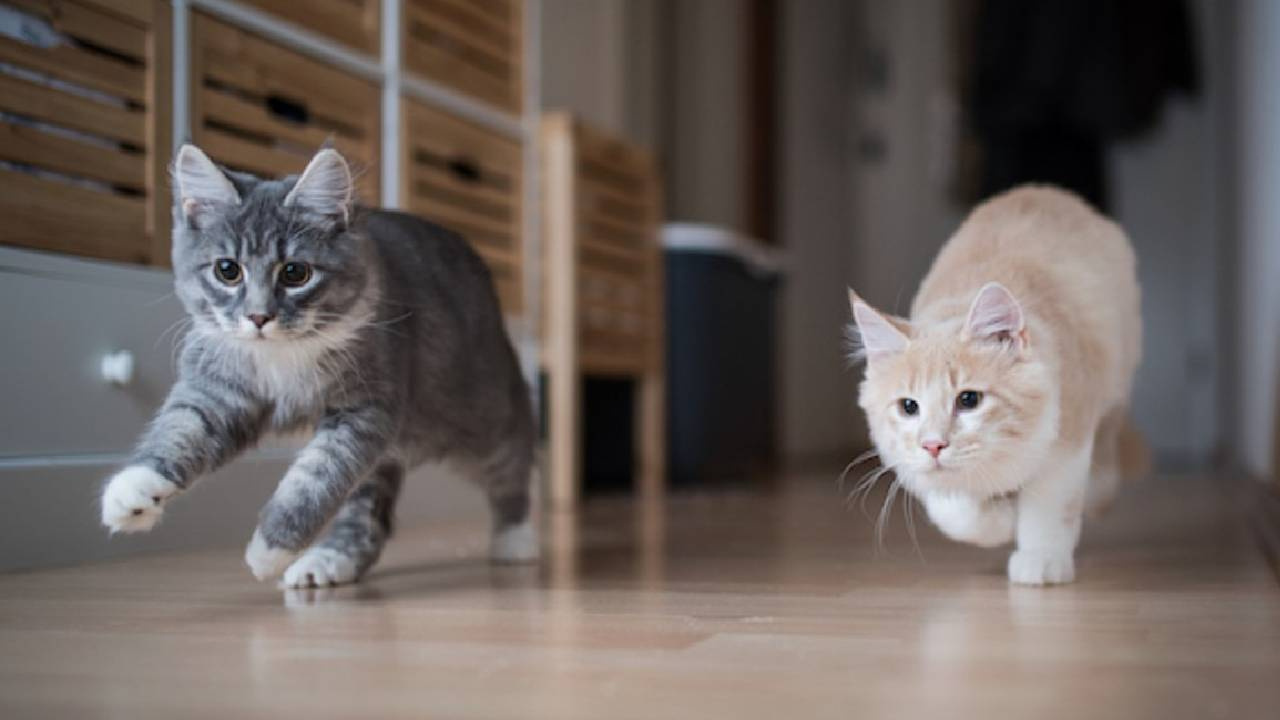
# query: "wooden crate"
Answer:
x=353 y=23
x=85 y=129
x=604 y=289
x=468 y=179
x=472 y=46
x=263 y=109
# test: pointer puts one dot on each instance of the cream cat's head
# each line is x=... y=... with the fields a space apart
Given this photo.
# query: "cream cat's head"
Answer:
x=962 y=403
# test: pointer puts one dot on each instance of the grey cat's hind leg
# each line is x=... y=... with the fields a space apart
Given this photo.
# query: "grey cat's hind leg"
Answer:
x=508 y=478
x=355 y=539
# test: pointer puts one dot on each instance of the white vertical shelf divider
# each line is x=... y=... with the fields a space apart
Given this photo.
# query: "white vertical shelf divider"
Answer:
x=392 y=135
x=181 y=73
x=530 y=342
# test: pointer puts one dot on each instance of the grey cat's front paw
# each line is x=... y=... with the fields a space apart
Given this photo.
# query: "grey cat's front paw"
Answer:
x=1041 y=567
x=264 y=561
x=134 y=498
x=320 y=567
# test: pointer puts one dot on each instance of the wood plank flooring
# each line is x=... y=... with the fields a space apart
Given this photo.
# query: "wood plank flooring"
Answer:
x=717 y=605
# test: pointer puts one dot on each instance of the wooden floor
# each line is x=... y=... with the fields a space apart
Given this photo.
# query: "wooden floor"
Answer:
x=721 y=606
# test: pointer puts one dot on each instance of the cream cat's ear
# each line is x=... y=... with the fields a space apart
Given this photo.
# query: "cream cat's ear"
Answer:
x=877 y=334
x=996 y=315
x=325 y=187
x=202 y=188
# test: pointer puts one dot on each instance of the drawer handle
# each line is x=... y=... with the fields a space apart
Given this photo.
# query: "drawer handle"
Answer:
x=117 y=368
x=465 y=169
x=291 y=110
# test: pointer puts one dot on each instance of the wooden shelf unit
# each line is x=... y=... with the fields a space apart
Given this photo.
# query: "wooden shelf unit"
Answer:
x=85 y=130
x=602 y=271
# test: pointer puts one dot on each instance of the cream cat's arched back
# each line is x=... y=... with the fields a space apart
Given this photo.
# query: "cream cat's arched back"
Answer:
x=1002 y=401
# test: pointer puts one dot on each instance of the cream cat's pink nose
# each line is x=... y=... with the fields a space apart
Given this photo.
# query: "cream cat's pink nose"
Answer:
x=933 y=447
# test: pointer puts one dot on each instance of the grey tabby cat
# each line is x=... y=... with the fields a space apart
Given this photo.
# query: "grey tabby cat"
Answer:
x=379 y=330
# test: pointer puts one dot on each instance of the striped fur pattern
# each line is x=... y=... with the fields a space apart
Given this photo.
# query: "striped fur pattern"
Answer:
x=390 y=345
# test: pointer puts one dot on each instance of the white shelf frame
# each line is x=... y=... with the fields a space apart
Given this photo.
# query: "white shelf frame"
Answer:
x=387 y=71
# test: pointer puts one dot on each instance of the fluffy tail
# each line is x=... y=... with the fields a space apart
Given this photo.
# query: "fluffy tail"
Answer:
x=1119 y=453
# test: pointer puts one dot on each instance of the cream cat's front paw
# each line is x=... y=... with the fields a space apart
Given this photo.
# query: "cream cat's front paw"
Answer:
x=517 y=543
x=134 y=498
x=264 y=561
x=1040 y=567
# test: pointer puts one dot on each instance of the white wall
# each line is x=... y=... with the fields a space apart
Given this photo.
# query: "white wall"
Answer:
x=815 y=227
x=1258 y=144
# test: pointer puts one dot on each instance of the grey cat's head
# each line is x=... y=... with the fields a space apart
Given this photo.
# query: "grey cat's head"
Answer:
x=266 y=261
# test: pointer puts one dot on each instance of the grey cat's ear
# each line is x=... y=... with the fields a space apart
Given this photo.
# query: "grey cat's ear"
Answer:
x=996 y=315
x=325 y=187
x=203 y=189
x=877 y=335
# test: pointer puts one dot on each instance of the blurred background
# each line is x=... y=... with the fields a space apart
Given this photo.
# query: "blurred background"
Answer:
x=850 y=138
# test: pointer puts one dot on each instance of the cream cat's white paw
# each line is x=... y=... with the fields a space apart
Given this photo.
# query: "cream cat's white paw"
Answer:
x=320 y=567
x=264 y=561
x=134 y=498
x=516 y=543
x=1039 y=567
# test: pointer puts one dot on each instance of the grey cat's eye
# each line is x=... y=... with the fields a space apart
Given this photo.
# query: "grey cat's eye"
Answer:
x=227 y=271
x=968 y=400
x=909 y=406
x=295 y=274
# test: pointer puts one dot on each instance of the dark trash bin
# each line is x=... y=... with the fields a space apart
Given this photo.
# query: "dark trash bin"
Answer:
x=721 y=370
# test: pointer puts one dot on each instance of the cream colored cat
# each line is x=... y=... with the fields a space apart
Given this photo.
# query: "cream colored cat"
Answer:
x=1002 y=402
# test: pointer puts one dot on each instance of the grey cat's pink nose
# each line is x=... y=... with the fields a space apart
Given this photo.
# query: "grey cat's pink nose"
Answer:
x=260 y=320
x=933 y=447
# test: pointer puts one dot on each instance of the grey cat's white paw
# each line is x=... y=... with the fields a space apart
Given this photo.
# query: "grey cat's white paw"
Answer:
x=320 y=567
x=264 y=561
x=1039 y=567
x=516 y=543
x=134 y=498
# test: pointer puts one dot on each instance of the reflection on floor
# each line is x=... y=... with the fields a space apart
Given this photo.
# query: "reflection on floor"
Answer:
x=714 y=606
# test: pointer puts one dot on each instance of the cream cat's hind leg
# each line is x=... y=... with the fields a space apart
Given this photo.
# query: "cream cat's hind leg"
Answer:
x=966 y=518
x=1050 y=508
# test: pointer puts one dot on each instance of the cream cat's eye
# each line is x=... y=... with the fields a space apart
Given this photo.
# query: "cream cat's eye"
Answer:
x=968 y=400
x=908 y=406
x=227 y=271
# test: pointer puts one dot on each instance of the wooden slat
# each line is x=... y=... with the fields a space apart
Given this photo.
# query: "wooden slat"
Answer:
x=465 y=224
x=49 y=215
x=24 y=98
x=447 y=69
x=81 y=67
x=231 y=110
x=483 y=198
x=499 y=216
x=490 y=46
x=139 y=11
x=447 y=135
x=241 y=154
x=351 y=23
x=33 y=147
x=497 y=26
x=86 y=23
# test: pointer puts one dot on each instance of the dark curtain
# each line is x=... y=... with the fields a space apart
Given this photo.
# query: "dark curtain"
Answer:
x=1053 y=82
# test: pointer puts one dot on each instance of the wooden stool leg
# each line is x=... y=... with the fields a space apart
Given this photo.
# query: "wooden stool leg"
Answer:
x=650 y=438
x=564 y=435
